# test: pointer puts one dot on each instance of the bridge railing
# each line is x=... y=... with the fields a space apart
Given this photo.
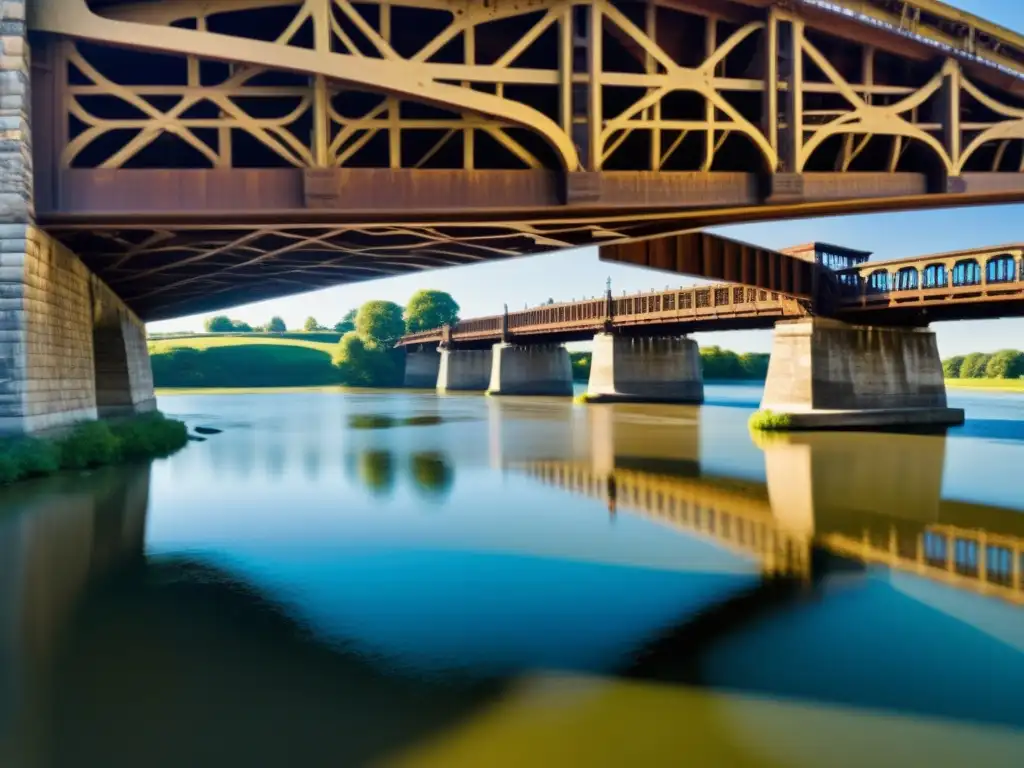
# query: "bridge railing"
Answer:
x=653 y=307
x=990 y=274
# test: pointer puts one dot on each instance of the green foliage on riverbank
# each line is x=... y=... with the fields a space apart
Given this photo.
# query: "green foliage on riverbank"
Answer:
x=769 y=420
x=245 y=363
x=1004 y=364
x=89 y=445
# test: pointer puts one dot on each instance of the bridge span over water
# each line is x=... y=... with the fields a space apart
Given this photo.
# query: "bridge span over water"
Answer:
x=851 y=350
x=175 y=157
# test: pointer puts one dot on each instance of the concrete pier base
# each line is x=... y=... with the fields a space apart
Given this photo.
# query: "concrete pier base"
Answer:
x=422 y=368
x=535 y=370
x=464 y=370
x=654 y=370
x=825 y=374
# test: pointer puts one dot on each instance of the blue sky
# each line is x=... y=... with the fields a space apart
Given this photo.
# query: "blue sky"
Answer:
x=482 y=289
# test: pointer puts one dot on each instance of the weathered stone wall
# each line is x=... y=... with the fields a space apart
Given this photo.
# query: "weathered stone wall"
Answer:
x=534 y=370
x=421 y=368
x=464 y=370
x=645 y=369
x=52 y=310
x=49 y=302
x=15 y=136
x=827 y=374
x=826 y=364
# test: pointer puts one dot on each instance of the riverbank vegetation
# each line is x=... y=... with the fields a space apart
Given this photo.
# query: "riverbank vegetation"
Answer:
x=1006 y=364
x=90 y=445
x=360 y=352
x=769 y=420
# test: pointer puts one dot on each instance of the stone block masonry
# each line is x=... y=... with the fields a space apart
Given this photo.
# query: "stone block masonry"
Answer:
x=421 y=368
x=61 y=329
x=464 y=370
x=654 y=370
x=534 y=370
x=828 y=374
x=53 y=312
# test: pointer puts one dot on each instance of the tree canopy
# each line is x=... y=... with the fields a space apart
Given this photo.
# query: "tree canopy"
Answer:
x=430 y=309
x=276 y=325
x=219 y=324
x=380 y=323
x=974 y=365
x=312 y=325
x=1005 y=364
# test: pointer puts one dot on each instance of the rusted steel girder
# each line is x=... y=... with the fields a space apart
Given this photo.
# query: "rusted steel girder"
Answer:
x=704 y=255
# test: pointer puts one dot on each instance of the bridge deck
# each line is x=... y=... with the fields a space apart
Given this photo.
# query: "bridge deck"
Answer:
x=981 y=283
x=204 y=154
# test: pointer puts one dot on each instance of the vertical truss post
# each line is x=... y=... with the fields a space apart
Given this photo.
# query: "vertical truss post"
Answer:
x=582 y=184
x=785 y=72
x=947 y=180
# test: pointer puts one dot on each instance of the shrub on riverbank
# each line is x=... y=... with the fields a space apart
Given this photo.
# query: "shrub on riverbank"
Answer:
x=91 y=444
x=769 y=420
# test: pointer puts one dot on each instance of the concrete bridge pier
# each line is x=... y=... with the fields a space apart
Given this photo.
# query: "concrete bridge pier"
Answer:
x=422 y=367
x=662 y=370
x=826 y=374
x=463 y=370
x=530 y=370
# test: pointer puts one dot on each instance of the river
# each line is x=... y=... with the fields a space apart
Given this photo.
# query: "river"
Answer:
x=401 y=579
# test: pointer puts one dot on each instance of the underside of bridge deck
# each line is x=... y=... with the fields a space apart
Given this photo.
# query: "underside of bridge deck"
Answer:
x=202 y=154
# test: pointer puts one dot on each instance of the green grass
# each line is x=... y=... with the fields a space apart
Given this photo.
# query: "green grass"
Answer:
x=769 y=420
x=89 y=445
x=1008 y=385
x=160 y=346
x=247 y=361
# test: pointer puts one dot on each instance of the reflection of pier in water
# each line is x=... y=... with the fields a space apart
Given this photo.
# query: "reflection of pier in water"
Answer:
x=56 y=537
x=846 y=494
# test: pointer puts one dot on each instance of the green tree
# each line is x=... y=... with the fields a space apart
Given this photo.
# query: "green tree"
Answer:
x=1005 y=364
x=276 y=325
x=974 y=365
x=312 y=325
x=755 y=365
x=580 y=365
x=380 y=324
x=219 y=324
x=356 y=363
x=240 y=326
x=720 y=363
x=430 y=309
x=348 y=322
x=951 y=367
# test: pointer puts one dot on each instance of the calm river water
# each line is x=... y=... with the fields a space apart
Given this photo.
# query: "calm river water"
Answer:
x=400 y=579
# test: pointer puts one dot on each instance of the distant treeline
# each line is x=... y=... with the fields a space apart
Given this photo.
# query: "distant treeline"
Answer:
x=1004 y=364
x=719 y=364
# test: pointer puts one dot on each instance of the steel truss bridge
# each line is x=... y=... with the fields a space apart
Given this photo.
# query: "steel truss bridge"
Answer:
x=203 y=153
x=976 y=284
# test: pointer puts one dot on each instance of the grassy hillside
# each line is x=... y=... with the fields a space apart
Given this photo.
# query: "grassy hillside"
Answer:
x=246 y=360
x=327 y=345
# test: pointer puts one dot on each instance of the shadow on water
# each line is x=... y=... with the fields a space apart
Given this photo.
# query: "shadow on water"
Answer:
x=110 y=658
x=991 y=429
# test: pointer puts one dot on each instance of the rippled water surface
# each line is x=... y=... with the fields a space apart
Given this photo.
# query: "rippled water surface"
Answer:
x=398 y=579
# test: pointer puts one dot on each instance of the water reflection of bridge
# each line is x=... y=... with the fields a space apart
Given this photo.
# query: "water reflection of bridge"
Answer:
x=838 y=493
x=56 y=538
